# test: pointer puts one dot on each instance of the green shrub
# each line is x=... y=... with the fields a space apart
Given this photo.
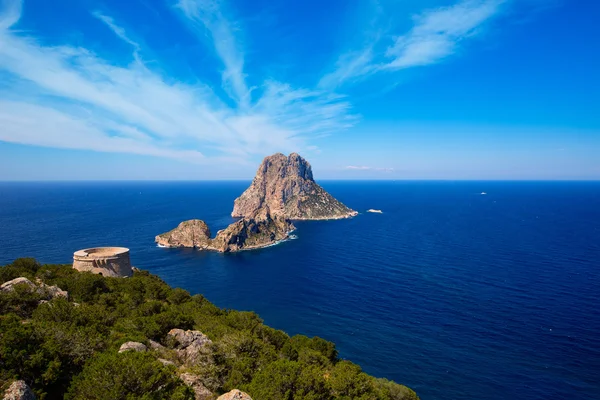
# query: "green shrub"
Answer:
x=127 y=376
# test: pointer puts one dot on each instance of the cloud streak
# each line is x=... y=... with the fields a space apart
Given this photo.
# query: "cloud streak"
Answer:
x=207 y=14
x=69 y=97
x=119 y=31
x=436 y=34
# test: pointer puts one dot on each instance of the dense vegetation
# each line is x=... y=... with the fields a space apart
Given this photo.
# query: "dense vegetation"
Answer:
x=69 y=348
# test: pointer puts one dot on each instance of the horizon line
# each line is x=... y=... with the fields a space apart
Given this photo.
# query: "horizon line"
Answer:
x=319 y=180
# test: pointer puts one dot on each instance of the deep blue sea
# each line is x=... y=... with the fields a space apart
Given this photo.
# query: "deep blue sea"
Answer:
x=456 y=294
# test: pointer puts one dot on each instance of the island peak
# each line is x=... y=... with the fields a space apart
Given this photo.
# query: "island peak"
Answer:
x=285 y=185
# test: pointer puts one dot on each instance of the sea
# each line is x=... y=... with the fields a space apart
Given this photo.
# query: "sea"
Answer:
x=455 y=293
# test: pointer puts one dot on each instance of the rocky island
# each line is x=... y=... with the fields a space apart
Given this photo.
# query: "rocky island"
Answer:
x=282 y=190
x=258 y=230
x=286 y=186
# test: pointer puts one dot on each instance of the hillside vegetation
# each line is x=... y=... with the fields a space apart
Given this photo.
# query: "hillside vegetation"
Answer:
x=68 y=347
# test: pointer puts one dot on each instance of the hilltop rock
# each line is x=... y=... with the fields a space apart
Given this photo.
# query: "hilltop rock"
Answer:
x=132 y=346
x=235 y=395
x=9 y=286
x=258 y=230
x=50 y=292
x=192 y=233
x=286 y=186
x=18 y=391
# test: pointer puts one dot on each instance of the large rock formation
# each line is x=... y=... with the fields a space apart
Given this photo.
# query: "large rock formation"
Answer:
x=192 y=233
x=282 y=190
x=255 y=231
x=286 y=186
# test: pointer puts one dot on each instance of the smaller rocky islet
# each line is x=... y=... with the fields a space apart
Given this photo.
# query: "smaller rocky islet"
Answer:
x=282 y=190
x=258 y=230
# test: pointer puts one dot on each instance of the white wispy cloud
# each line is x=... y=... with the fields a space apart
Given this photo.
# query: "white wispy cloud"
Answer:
x=69 y=97
x=208 y=15
x=436 y=34
x=119 y=31
x=11 y=12
x=365 y=168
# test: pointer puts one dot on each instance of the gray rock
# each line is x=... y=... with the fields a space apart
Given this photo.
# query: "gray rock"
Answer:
x=132 y=346
x=235 y=395
x=155 y=345
x=194 y=381
x=50 y=292
x=10 y=285
x=187 y=338
x=192 y=346
x=166 y=362
x=18 y=391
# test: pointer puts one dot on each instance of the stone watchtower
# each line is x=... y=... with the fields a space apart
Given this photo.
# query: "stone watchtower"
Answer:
x=107 y=261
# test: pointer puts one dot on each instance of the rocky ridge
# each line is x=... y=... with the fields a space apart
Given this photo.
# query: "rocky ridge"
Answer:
x=256 y=231
x=286 y=186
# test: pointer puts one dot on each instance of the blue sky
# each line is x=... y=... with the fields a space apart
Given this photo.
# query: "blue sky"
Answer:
x=365 y=89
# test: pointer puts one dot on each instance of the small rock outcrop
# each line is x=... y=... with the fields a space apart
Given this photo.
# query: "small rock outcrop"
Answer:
x=132 y=346
x=9 y=286
x=155 y=345
x=235 y=395
x=192 y=233
x=194 y=381
x=50 y=292
x=18 y=391
x=258 y=230
x=286 y=186
x=192 y=346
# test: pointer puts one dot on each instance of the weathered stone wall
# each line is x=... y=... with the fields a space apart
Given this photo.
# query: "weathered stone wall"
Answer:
x=106 y=261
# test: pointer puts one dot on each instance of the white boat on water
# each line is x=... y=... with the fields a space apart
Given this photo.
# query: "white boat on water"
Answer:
x=375 y=211
x=483 y=193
